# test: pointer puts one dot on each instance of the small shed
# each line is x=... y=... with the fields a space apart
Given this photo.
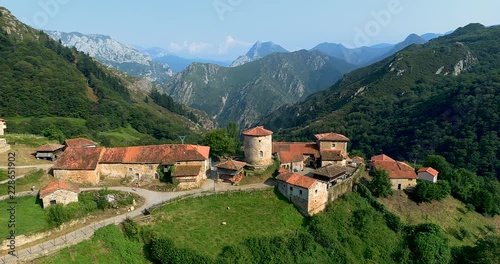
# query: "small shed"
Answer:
x=230 y=170
x=331 y=174
x=49 y=151
x=428 y=174
x=59 y=192
x=188 y=176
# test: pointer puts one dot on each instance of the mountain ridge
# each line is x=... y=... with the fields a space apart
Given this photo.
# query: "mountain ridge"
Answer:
x=257 y=51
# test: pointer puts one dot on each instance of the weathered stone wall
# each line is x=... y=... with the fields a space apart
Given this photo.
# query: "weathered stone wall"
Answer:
x=3 y=126
x=61 y=197
x=253 y=147
x=119 y=171
x=327 y=145
x=78 y=176
x=339 y=163
x=318 y=198
x=405 y=183
x=345 y=186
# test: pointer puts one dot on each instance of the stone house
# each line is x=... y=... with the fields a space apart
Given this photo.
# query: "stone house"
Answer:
x=333 y=148
x=187 y=175
x=331 y=174
x=3 y=126
x=230 y=170
x=258 y=147
x=308 y=194
x=296 y=155
x=141 y=163
x=79 y=143
x=79 y=165
x=59 y=192
x=428 y=174
x=49 y=151
x=401 y=175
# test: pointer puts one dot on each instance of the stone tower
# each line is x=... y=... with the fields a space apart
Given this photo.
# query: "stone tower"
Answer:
x=258 y=147
x=3 y=126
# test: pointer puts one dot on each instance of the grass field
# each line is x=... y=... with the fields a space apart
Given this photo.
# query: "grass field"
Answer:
x=450 y=214
x=38 y=178
x=122 y=137
x=28 y=140
x=197 y=223
x=30 y=216
x=3 y=175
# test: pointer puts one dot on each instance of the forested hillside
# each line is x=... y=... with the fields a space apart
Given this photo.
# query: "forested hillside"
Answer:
x=442 y=97
x=48 y=89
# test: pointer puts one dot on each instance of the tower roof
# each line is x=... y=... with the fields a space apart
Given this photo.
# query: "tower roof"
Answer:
x=259 y=131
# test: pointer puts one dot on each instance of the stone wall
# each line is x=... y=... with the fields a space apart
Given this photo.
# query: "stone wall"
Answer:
x=318 y=198
x=61 y=197
x=146 y=172
x=401 y=184
x=253 y=147
x=424 y=176
x=345 y=186
x=4 y=147
x=78 y=176
x=327 y=145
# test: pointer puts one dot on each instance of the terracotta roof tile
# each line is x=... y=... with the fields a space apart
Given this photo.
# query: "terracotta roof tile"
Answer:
x=231 y=165
x=79 y=143
x=186 y=170
x=58 y=185
x=304 y=148
x=382 y=157
x=396 y=169
x=297 y=180
x=332 y=155
x=331 y=137
x=78 y=159
x=429 y=170
x=358 y=159
x=289 y=156
x=259 y=131
x=49 y=148
x=156 y=154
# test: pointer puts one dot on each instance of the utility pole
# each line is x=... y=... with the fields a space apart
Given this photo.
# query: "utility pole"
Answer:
x=182 y=139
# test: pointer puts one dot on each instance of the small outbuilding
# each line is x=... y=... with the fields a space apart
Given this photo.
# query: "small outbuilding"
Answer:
x=230 y=170
x=49 y=151
x=79 y=143
x=59 y=192
x=428 y=174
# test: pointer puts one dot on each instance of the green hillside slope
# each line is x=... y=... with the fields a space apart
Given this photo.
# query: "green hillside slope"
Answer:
x=441 y=97
x=45 y=87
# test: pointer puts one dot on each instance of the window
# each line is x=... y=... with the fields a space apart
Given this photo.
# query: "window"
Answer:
x=150 y=167
x=333 y=145
x=316 y=191
x=300 y=192
x=52 y=202
x=291 y=188
x=130 y=169
x=260 y=140
x=261 y=154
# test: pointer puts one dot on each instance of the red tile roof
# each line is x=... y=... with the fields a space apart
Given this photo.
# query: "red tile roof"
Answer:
x=382 y=157
x=332 y=137
x=304 y=148
x=58 y=185
x=297 y=180
x=259 y=131
x=156 y=154
x=231 y=165
x=288 y=156
x=186 y=170
x=396 y=169
x=358 y=159
x=79 y=143
x=429 y=170
x=78 y=159
x=49 y=148
x=332 y=155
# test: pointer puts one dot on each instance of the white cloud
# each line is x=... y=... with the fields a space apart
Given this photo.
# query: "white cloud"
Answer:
x=230 y=43
x=191 y=47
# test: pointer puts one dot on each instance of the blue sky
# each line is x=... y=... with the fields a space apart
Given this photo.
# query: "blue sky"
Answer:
x=224 y=29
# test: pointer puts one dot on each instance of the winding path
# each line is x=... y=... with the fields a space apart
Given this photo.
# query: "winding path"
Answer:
x=152 y=198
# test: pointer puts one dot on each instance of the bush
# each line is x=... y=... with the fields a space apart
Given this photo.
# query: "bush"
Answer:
x=57 y=215
x=380 y=186
x=427 y=191
x=131 y=229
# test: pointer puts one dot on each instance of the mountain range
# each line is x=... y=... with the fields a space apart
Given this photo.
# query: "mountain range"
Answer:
x=115 y=54
x=245 y=93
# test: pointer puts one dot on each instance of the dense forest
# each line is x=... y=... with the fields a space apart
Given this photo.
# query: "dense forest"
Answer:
x=442 y=98
x=47 y=86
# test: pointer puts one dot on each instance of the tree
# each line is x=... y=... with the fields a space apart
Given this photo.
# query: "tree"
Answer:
x=428 y=244
x=219 y=142
x=380 y=185
x=440 y=164
x=427 y=191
